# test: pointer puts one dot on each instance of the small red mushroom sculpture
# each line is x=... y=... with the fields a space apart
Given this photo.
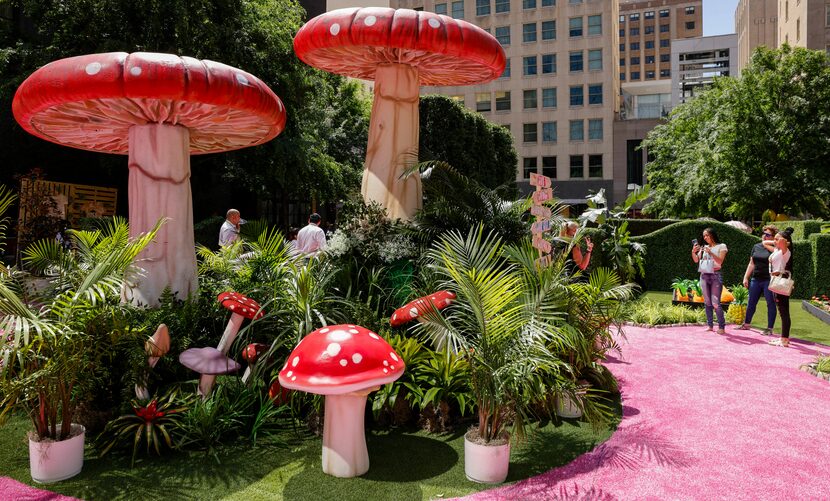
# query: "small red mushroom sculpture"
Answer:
x=159 y=109
x=345 y=363
x=414 y=309
x=400 y=49
x=156 y=347
x=251 y=355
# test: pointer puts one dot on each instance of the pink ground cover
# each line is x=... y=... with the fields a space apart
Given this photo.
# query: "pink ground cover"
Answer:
x=704 y=417
x=14 y=490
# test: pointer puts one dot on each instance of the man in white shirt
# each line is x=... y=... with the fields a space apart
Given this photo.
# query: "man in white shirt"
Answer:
x=229 y=232
x=311 y=239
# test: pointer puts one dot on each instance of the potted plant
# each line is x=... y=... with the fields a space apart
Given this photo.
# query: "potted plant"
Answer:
x=503 y=322
x=48 y=356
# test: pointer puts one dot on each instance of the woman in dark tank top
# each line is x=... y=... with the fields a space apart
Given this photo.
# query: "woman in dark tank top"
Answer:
x=756 y=279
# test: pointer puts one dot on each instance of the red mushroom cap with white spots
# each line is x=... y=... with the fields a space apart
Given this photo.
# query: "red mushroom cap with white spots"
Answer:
x=341 y=359
x=418 y=307
x=241 y=305
x=252 y=352
x=90 y=102
x=354 y=41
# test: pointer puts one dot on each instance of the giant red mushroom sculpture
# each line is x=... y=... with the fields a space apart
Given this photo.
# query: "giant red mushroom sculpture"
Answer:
x=345 y=363
x=400 y=49
x=159 y=109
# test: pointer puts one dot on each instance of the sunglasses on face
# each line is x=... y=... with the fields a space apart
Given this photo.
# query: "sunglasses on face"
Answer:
x=767 y=234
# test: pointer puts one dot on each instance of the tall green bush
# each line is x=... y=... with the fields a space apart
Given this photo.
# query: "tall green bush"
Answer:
x=803 y=229
x=820 y=244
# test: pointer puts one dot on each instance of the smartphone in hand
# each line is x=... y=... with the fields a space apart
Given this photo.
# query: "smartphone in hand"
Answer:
x=694 y=242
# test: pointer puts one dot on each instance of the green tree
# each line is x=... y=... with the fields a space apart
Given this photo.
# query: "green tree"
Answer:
x=480 y=150
x=748 y=144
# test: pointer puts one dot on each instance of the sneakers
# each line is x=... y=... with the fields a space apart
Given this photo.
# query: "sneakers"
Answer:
x=722 y=332
x=782 y=342
x=766 y=332
x=744 y=327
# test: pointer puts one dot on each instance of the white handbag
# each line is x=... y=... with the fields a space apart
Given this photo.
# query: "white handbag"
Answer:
x=781 y=284
x=706 y=264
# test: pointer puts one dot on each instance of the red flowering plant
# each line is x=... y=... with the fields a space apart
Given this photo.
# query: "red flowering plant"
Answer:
x=822 y=302
x=153 y=425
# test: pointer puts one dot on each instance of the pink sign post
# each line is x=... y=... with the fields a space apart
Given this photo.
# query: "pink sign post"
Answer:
x=543 y=193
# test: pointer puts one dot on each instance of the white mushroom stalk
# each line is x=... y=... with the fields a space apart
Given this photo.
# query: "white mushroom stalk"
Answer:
x=344 y=439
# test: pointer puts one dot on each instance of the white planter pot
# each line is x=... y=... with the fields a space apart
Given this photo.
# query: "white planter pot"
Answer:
x=486 y=464
x=567 y=408
x=56 y=461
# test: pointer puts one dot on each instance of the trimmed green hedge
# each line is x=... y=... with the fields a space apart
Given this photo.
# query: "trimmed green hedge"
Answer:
x=821 y=263
x=803 y=229
x=639 y=227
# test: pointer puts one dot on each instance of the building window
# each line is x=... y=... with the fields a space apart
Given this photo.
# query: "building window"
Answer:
x=548 y=30
x=529 y=33
x=594 y=59
x=690 y=11
x=665 y=43
x=574 y=1
x=690 y=25
x=577 y=130
x=528 y=166
x=622 y=61
x=530 y=102
x=649 y=59
x=548 y=3
x=483 y=102
x=797 y=29
x=635 y=45
x=649 y=14
x=635 y=16
x=502 y=6
x=506 y=73
x=622 y=18
x=549 y=167
x=528 y=4
x=458 y=10
x=595 y=25
x=595 y=94
x=577 y=95
x=529 y=66
x=503 y=100
x=649 y=44
x=649 y=29
x=548 y=64
x=634 y=32
x=635 y=60
x=482 y=7
x=575 y=27
x=594 y=165
x=635 y=75
x=530 y=133
x=622 y=76
x=664 y=28
x=827 y=15
x=664 y=13
x=548 y=132
x=549 y=97
x=649 y=75
x=622 y=47
x=575 y=59
x=577 y=166
x=665 y=58
x=665 y=73
x=622 y=32
x=595 y=129
x=503 y=35
x=634 y=161
x=441 y=8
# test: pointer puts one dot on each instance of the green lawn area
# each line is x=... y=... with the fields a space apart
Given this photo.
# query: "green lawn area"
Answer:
x=405 y=465
x=804 y=326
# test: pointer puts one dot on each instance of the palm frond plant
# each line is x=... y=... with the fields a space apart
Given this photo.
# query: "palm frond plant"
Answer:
x=49 y=356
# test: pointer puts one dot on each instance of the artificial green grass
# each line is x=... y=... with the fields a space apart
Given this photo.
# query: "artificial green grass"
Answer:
x=405 y=465
x=804 y=326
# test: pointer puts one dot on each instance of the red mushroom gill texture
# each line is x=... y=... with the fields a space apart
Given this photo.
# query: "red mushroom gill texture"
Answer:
x=159 y=109
x=400 y=49
x=345 y=363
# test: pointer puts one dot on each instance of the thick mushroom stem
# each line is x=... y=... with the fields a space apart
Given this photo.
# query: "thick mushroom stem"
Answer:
x=344 y=436
x=159 y=187
x=206 y=380
x=393 y=137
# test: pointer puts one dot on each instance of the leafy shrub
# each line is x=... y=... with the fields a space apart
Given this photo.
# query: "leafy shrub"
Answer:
x=646 y=311
x=823 y=364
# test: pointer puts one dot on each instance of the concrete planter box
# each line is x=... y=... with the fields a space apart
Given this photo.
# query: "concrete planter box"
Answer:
x=815 y=311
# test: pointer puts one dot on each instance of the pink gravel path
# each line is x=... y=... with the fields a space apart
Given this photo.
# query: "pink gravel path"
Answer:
x=704 y=417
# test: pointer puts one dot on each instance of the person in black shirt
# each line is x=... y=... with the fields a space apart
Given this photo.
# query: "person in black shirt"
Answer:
x=756 y=279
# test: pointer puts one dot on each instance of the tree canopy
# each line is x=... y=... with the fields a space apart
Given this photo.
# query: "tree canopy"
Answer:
x=750 y=143
x=480 y=150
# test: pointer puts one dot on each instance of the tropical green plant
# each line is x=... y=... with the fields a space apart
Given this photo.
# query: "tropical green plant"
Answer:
x=7 y=197
x=741 y=295
x=823 y=364
x=444 y=379
x=152 y=424
x=51 y=354
x=646 y=311
x=398 y=398
x=501 y=323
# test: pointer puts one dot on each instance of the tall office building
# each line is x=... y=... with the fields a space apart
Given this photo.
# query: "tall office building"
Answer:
x=804 y=23
x=696 y=62
x=756 y=24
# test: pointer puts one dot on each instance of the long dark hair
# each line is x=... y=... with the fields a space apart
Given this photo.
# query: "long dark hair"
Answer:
x=787 y=235
x=712 y=233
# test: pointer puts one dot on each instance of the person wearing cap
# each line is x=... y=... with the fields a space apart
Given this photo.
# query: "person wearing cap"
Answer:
x=311 y=239
x=229 y=232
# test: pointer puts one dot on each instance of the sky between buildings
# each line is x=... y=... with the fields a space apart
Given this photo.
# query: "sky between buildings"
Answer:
x=719 y=17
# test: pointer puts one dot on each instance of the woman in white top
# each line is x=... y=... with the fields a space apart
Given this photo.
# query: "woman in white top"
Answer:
x=781 y=261
x=710 y=259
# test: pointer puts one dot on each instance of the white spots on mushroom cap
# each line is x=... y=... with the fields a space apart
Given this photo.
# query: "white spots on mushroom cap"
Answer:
x=385 y=370
x=289 y=373
x=334 y=29
x=93 y=68
x=386 y=362
x=344 y=362
x=393 y=356
x=354 y=331
x=294 y=378
x=340 y=336
x=333 y=349
x=373 y=335
x=135 y=71
x=323 y=331
x=413 y=311
x=394 y=317
x=370 y=20
x=295 y=361
x=392 y=367
x=242 y=79
x=434 y=23
x=357 y=358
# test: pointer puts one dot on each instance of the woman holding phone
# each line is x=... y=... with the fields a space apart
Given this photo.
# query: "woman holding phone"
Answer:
x=710 y=259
